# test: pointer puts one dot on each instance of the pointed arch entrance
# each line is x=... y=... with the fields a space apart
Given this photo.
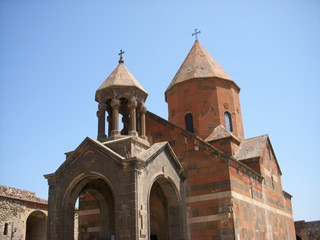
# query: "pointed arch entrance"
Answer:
x=36 y=228
x=165 y=212
x=95 y=213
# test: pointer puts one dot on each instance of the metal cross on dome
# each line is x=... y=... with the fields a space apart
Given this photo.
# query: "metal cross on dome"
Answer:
x=196 y=32
x=120 y=54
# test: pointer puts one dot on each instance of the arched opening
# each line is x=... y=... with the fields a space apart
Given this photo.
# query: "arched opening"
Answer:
x=89 y=220
x=227 y=118
x=125 y=116
x=36 y=226
x=189 y=122
x=122 y=118
x=165 y=219
x=93 y=216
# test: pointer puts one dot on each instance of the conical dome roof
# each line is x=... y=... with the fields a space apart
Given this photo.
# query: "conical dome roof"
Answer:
x=198 y=64
x=119 y=78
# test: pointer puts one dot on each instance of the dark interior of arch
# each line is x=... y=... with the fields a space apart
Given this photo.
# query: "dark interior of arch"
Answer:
x=165 y=219
x=36 y=226
x=95 y=211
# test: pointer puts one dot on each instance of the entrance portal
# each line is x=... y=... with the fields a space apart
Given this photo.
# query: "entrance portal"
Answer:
x=95 y=213
x=165 y=222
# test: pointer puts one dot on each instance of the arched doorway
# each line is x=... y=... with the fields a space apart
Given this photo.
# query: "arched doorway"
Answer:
x=95 y=211
x=165 y=213
x=36 y=226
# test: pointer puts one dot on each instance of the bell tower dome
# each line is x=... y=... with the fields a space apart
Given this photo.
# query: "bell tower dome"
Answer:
x=121 y=94
x=202 y=96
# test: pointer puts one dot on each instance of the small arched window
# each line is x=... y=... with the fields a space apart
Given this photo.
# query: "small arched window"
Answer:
x=189 y=122
x=227 y=118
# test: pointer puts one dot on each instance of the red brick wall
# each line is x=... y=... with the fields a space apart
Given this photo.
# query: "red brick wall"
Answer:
x=89 y=217
x=225 y=199
x=226 y=145
x=206 y=173
x=261 y=209
x=207 y=99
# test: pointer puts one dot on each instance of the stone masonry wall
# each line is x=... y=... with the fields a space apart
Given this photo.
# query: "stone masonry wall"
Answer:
x=313 y=229
x=11 y=215
x=308 y=230
x=21 y=194
x=226 y=200
x=15 y=207
x=206 y=175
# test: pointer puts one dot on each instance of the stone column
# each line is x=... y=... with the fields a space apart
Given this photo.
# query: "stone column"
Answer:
x=115 y=104
x=143 y=111
x=133 y=118
x=101 y=114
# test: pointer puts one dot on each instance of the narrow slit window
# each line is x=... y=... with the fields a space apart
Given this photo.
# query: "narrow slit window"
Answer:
x=5 y=230
x=189 y=122
x=269 y=152
x=251 y=189
x=227 y=118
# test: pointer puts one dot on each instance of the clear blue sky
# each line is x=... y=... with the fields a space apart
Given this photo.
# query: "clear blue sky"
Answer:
x=55 y=54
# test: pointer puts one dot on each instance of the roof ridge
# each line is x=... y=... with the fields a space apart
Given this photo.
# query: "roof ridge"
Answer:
x=263 y=135
x=224 y=133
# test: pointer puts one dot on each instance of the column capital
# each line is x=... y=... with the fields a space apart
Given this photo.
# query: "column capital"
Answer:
x=102 y=106
x=132 y=103
x=115 y=103
x=100 y=113
x=143 y=109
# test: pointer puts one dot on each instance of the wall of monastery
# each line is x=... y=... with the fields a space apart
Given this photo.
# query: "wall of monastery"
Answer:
x=207 y=181
x=307 y=230
x=226 y=199
x=261 y=209
x=16 y=206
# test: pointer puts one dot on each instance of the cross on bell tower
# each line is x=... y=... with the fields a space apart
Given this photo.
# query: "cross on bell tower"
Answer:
x=196 y=32
x=120 y=54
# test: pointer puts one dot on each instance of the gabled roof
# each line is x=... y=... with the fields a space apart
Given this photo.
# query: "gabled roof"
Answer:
x=220 y=132
x=148 y=155
x=198 y=64
x=81 y=149
x=121 y=77
x=251 y=148
x=143 y=159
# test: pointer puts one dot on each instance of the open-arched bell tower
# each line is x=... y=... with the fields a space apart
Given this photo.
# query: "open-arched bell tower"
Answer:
x=117 y=178
x=121 y=94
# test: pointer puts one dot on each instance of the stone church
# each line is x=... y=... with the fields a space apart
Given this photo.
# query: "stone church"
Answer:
x=191 y=177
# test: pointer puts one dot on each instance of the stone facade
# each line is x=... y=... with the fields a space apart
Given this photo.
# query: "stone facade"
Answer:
x=193 y=177
x=120 y=186
x=23 y=216
x=307 y=230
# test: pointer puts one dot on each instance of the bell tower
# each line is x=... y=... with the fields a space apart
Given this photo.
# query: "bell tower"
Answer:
x=121 y=95
x=202 y=96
